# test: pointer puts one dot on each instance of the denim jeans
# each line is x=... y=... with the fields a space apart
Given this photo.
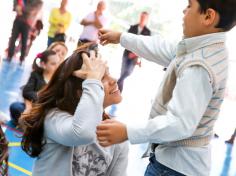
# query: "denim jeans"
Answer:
x=50 y=41
x=155 y=168
x=16 y=109
x=127 y=69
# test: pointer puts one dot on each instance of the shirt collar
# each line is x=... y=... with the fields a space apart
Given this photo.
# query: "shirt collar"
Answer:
x=189 y=45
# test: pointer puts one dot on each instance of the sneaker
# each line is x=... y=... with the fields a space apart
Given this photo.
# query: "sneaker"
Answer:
x=22 y=64
x=7 y=60
x=230 y=141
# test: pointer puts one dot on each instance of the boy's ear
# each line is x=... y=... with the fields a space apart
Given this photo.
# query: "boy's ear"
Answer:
x=210 y=17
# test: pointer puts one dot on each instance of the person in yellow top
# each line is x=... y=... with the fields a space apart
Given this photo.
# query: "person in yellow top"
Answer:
x=59 y=21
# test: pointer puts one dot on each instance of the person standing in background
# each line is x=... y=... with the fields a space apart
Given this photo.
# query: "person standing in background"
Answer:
x=59 y=20
x=232 y=138
x=27 y=13
x=92 y=22
x=130 y=59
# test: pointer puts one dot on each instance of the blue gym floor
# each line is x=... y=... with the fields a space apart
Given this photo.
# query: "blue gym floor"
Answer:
x=11 y=76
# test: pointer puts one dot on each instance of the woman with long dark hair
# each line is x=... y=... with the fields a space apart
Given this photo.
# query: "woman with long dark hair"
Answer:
x=60 y=129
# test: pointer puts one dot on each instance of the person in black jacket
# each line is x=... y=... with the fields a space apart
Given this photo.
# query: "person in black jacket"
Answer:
x=130 y=59
x=44 y=66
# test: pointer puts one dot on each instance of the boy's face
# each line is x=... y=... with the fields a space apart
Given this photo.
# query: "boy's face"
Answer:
x=193 y=20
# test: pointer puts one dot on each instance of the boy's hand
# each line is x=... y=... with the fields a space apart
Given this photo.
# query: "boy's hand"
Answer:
x=111 y=132
x=108 y=36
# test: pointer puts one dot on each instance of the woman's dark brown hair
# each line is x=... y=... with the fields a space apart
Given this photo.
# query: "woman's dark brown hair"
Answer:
x=63 y=92
x=3 y=154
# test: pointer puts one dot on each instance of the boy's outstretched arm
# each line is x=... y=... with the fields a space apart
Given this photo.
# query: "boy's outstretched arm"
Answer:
x=153 y=48
x=111 y=132
x=190 y=100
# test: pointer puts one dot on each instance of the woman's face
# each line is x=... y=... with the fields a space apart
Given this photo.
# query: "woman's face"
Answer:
x=61 y=52
x=112 y=92
x=51 y=65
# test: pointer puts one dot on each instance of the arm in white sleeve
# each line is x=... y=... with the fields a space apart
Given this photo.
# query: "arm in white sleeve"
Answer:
x=80 y=128
x=190 y=99
x=153 y=48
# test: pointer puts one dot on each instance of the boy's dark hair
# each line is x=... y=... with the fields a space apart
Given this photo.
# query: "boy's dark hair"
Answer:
x=226 y=10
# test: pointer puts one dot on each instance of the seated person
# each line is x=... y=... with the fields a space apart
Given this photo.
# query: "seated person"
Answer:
x=60 y=48
x=43 y=68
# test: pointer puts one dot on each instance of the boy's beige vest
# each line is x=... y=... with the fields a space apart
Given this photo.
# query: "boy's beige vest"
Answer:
x=212 y=57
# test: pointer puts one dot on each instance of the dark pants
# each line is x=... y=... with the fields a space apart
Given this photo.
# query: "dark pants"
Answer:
x=16 y=109
x=82 y=41
x=93 y=46
x=155 y=168
x=20 y=27
x=127 y=68
x=50 y=41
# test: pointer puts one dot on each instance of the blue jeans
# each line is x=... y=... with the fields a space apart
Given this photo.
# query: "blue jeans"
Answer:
x=127 y=69
x=50 y=41
x=16 y=109
x=155 y=168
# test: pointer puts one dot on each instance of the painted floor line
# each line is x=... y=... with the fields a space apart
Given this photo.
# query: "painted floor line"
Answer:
x=12 y=129
x=20 y=169
x=14 y=144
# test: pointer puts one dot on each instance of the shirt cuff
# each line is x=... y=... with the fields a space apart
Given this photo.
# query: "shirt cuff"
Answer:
x=136 y=135
x=123 y=38
x=93 y=81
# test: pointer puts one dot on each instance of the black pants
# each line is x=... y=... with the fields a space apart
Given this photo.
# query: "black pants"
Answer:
x=93 y=46
x=19 y=27
x=126 y=69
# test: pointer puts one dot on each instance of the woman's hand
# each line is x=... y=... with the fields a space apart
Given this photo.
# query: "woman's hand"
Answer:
x=93 y=67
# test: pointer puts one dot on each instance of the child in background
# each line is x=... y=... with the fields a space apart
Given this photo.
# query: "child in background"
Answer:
x=43 y=68
x=60 y=48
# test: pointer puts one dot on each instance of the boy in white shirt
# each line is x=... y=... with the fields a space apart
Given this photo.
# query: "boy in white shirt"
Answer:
x=189 y=99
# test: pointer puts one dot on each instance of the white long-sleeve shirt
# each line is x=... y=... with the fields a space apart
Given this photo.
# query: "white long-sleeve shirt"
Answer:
x=190 y=99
